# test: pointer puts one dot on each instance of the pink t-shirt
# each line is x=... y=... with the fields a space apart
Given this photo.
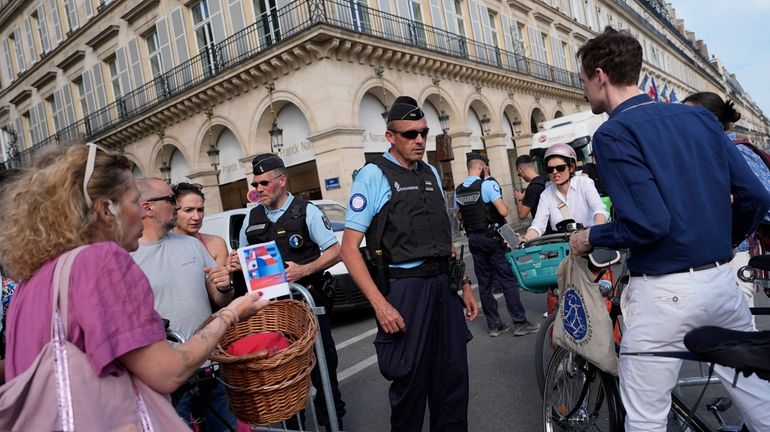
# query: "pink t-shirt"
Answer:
x=110 y=309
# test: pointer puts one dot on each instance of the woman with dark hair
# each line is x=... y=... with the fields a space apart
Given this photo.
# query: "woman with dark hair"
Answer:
x=85 y=196
x=727 y=115
x=189 y=219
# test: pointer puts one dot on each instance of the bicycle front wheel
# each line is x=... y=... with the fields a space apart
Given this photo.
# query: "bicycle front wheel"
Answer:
x=544 y=349
x=579 y=397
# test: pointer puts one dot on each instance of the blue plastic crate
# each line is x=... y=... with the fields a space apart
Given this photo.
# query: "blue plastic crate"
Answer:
x=535 y=266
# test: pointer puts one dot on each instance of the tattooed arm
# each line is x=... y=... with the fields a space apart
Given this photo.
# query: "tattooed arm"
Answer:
x=164 y=367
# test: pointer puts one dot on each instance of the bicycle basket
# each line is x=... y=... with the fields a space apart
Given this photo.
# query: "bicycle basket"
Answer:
x=535 y=266
x=266 y=390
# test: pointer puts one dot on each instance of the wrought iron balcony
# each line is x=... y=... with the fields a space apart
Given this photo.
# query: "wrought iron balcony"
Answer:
x=273 y=28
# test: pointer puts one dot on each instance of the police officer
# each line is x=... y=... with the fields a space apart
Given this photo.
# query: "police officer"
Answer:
x=301 y=232
x=397 y=202
x=482 y=211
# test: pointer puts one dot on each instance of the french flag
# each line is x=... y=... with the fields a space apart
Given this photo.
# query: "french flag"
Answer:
x=653 y=90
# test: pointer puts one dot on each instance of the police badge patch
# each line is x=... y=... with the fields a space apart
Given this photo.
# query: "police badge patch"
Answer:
x=327 y=224
x=296 y=241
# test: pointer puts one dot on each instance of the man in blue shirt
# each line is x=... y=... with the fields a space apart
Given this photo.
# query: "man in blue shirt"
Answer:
x=683 y=196
x=480 y=206
x=308 y=246
x=398 y=204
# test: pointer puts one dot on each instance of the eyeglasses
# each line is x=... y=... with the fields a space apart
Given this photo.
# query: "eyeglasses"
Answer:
x=170 y=198
x=265 y=183
x=552 y=169
x=412 y=133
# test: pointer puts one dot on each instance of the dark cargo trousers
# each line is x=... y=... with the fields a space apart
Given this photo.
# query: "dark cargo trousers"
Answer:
x=428 y=361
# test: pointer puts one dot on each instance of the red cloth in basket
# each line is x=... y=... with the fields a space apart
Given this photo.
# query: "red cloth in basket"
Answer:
x=273 y=342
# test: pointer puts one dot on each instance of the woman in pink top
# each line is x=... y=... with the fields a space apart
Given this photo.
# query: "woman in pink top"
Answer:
x=189 y=219
x=84 y=195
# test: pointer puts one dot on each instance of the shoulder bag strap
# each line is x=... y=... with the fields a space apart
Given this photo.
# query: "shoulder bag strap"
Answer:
x=60 y=287
x=562 y=206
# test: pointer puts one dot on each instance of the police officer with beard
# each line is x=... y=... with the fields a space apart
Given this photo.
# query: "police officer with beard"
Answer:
x=301 y=231
x=482 y=211
x=397 y=203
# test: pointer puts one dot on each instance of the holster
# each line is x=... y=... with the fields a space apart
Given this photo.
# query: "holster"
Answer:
x=378 y=269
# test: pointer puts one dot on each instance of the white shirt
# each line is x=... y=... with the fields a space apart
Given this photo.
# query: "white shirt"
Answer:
x=582 y=200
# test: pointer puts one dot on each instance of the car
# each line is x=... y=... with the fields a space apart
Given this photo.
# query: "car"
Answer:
x=347 y=296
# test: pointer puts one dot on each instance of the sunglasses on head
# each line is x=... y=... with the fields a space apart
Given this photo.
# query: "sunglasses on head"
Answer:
x=170 y=198
x=553 y=168
x=264 y=183
x=412 y=133
x=187 y=186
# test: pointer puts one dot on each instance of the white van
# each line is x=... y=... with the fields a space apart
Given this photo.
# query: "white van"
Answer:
x=576 y=130
x=347 y=296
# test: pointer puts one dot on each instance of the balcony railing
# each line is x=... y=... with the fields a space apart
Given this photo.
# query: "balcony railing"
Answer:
x=272 y=28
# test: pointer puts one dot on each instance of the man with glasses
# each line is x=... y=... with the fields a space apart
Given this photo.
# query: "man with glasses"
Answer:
x=308 y=246
x=482 y=210
x=397 y=202
x=185 y=281
x=684 y=197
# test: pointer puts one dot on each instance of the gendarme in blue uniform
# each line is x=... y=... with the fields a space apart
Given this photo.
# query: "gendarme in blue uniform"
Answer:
x=669 y=226
x=427 y=361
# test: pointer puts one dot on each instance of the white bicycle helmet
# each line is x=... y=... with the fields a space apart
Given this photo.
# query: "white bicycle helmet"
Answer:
x=563 y=150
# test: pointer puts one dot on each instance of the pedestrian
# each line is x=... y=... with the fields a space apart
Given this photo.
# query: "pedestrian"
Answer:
x=397 y=202
x=186 y=282
x=670 y=171
x=308 y=246
x=528 y=199
x=84 y=196
x=567 y=196
x=189 y=219
x=727 y=115
x=482 y=210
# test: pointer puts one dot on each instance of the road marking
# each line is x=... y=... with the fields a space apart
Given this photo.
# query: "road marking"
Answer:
x=356 y=368
x=355 y=339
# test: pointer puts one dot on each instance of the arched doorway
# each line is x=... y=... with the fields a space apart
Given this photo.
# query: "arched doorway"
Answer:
x=535 y=119
x=233 y=185
x=179 y=167
x=370 y=119
x=298 y=154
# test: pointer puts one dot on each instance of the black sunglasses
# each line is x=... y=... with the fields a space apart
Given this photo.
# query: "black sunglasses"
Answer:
x=170 y=198
x=264 y=183
x=554 y=168
x=412 y=133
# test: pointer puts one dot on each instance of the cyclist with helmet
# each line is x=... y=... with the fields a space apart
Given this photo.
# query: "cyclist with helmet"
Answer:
x=566 y=196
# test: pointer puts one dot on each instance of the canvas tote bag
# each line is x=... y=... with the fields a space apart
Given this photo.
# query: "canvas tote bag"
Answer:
x=583 y=324
x=61 y=391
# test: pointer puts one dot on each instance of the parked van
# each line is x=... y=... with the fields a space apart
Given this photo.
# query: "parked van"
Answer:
x=347 y=296
x=576 y=130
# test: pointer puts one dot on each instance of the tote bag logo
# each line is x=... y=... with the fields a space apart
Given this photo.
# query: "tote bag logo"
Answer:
x=575 y=318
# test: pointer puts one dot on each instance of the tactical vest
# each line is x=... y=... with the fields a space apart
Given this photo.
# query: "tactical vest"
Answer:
x=290 y=233
x=477 y=215
x=415 y=217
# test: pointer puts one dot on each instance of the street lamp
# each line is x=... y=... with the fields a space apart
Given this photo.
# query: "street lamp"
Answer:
x=276 y=133
x=213 y=153
x=485 y=125
x=165 y=171
x=443 y=119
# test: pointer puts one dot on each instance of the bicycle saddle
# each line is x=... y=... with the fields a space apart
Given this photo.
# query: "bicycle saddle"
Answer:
x=760 y=262
x=746 y=352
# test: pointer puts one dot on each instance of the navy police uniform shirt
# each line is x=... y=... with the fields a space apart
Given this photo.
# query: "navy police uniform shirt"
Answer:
x=370 y=191
x=670 y=171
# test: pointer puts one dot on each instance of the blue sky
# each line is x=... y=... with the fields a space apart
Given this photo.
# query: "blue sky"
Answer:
x=738 y=33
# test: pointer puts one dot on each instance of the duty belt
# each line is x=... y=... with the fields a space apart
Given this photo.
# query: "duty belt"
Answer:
x=430 y=267
x=697 y=268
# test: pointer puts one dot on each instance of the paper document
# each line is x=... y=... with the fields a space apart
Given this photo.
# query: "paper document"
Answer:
x=263 y=269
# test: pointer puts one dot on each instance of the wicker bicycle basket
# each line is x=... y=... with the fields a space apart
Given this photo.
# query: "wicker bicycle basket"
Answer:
x=265 y=390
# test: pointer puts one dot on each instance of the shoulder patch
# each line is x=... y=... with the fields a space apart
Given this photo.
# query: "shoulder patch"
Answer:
x=327 y=224
x=357 y=202
x=496 y=187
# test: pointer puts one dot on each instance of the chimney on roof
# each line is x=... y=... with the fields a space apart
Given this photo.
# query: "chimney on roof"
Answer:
x=702 y=48
x=679 y=24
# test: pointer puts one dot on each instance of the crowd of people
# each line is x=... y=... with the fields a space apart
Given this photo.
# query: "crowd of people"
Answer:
x=146 y=259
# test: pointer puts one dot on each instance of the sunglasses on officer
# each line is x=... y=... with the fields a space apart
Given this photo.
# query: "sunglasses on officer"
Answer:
x=553 y=168
x=170 y=198
x=265 y=183
x=412 y=133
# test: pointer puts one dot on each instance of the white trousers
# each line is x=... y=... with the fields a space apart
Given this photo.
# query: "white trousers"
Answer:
x=657 y=312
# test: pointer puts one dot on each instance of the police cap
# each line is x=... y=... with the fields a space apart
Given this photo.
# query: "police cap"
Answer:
x=405 y=108
x=265 y=163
